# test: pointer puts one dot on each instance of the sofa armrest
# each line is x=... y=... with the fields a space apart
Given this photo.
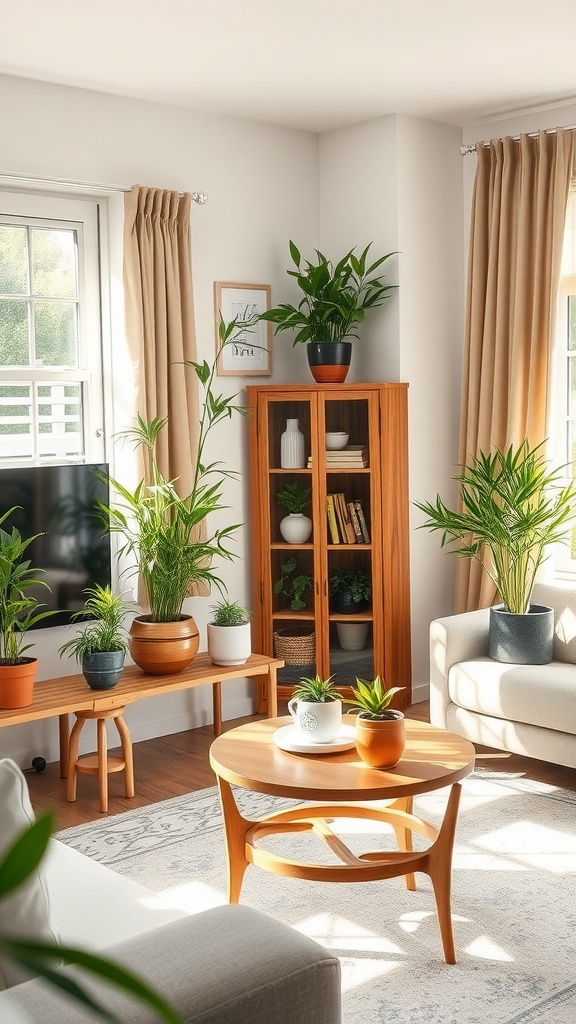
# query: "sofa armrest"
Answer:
x=220 y=966
x=453 y=639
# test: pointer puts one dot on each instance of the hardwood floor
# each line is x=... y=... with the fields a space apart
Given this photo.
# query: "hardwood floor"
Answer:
x=172 y=765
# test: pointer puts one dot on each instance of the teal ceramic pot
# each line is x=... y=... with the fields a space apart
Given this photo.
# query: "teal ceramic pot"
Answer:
x=103 y=669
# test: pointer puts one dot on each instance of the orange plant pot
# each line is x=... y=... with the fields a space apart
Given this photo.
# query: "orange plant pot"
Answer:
x=380 y=742
x=17 y=684
x=161 y=648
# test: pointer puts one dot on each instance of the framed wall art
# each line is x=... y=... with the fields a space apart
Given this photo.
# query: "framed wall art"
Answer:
x=249 y=352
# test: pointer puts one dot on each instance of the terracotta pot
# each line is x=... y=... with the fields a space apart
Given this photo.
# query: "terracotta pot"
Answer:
x=380 y=742
x=329 y=361
x=17 y=683
x=161 y=648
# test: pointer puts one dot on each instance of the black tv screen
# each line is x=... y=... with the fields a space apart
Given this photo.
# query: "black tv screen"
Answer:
x=62 y=504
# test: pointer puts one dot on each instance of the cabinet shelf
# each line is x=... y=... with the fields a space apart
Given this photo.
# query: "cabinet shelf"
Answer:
x=375 y=417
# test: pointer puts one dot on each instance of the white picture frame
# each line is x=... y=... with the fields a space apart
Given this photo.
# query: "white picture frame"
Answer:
x=249 y=353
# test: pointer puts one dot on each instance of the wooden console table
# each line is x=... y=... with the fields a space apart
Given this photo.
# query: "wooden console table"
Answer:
x=67 y=694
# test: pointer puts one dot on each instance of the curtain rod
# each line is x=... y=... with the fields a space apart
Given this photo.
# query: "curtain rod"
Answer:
x=87 y=186
x=465 y=150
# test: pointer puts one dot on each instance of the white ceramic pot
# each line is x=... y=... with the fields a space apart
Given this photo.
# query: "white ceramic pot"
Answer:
x=296 y=528
x=319 y=722
x=352 y=635
x=229 y=645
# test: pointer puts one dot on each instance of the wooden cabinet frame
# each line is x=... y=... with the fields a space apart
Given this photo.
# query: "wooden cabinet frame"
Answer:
x=376 y=414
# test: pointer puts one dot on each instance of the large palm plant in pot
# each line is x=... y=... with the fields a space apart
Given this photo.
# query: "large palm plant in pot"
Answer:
x=335 y=300
x=161 y=532
x=513 y=507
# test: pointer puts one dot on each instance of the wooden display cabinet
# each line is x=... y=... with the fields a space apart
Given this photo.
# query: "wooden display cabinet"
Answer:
x=375 y=417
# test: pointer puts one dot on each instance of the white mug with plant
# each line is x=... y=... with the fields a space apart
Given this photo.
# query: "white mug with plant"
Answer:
x=295 y=527
x=316 y=709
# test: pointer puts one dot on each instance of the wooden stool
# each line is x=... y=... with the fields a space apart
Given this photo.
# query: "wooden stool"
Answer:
x=100 y=764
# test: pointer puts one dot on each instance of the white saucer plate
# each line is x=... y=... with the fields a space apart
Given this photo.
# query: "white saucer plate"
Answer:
x=289 y=738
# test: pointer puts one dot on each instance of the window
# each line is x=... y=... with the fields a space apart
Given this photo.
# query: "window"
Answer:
x=563 y=427
x=51 y=402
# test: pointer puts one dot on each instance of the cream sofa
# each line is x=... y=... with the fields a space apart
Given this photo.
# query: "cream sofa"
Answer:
x=220 y=966
x=526 y=709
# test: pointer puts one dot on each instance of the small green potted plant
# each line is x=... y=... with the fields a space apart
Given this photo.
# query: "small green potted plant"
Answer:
x=380 y=731
x=100 y=648
x=316 y=708
x=295 y=527
x=229 y=634
x=19 y=611
x=513 y=507
x=350 y=589
x=293 y=583
x=335 y=300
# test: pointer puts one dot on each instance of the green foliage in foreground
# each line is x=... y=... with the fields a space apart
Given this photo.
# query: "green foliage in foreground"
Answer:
x=371 y=697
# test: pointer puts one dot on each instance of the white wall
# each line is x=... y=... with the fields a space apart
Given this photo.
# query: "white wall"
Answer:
x=398 y=181
x=262 y=186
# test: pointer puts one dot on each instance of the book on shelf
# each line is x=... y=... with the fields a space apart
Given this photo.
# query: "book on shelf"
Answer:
x=355 y=522
x=332 y=524
x=347 y=530
x=353 y=456
x=361 y=519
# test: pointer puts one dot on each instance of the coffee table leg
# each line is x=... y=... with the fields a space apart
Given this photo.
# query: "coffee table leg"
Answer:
x=440 y=872
x=404 y=836
x=235 y=828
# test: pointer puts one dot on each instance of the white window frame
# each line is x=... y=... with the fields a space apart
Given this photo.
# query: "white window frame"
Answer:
x=83 y=215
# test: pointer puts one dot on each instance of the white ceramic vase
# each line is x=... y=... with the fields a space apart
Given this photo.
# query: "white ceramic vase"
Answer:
x=296 y=528
x=292 y=447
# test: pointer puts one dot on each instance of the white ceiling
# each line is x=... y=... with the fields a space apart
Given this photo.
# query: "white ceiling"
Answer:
x=310 y=64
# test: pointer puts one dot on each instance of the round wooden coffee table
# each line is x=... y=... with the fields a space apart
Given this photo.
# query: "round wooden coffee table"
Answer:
x=433 y=759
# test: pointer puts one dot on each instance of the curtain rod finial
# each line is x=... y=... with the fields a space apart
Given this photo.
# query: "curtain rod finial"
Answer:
x=200 y=198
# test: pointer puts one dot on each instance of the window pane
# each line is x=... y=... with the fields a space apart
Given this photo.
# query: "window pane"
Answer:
x=572 y=385
x=13 y=261
x=15 y=421
x=572 y=321
x=54 y=262
x=56 y=333
x=14 y=350
x=60 y=419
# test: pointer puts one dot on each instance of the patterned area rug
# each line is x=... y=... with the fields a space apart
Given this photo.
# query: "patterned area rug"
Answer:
x=513 y=901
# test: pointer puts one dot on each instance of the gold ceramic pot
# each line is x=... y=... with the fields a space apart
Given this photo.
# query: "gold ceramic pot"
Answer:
x=17 y=683
x=380 y=742
x=160 y=648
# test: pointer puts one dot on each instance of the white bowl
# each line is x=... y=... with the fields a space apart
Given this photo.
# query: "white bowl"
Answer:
x=336 y=439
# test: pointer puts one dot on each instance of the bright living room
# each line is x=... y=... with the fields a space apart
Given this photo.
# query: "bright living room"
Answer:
x=279 y=176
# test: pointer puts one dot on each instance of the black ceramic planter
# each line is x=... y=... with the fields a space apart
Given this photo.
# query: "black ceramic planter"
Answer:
x=344 y=603
x=521 y=639
x=103 y=669
x=329 y=361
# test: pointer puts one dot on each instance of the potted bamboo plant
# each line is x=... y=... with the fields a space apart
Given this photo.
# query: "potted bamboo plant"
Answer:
x=100 y=648
x=19 y=611
x=295 y=527
x=335 y=300
x=380 y=735
x=513 y=507
x=161 y=537
x=229 y=634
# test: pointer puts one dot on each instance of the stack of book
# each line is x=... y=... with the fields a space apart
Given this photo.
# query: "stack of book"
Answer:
x=346 y=520
x=353 y=456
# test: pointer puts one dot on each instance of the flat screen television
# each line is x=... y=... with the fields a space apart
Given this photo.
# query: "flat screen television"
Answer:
x=61 y=504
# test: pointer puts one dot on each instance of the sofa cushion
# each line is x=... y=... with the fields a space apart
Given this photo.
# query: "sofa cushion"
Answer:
x=26 y=911
x=543 y=695
x=563 y=601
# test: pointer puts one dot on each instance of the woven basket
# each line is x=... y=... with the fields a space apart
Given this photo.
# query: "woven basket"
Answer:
x=295 y=645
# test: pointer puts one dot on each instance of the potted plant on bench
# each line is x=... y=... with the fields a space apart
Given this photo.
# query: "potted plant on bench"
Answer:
x=513 y=509
x=101 y=647
x=19 y=611
x=229 y=634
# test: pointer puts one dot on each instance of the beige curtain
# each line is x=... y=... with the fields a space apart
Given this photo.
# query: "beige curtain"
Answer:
x=518 y=213
x=160 y=321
